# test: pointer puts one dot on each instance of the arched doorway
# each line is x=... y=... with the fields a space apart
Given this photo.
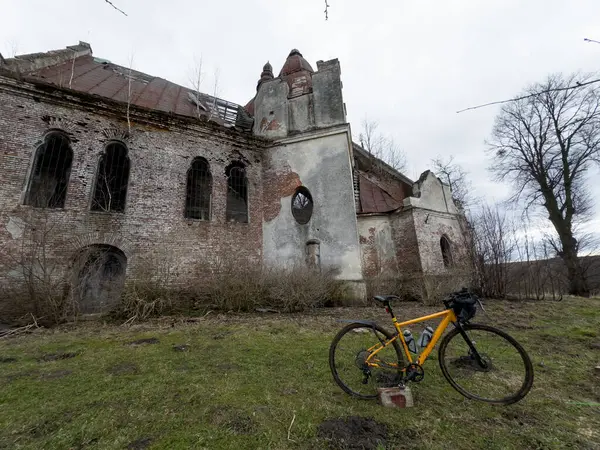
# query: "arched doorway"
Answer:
x=99 y=276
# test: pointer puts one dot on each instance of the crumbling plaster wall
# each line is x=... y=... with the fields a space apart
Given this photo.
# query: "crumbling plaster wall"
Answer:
x=153 y=221
x=435 y=215
x=321 y=163
x=377 y=245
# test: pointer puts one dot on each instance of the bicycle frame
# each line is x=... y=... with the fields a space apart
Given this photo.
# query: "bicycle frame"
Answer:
x=447 y=317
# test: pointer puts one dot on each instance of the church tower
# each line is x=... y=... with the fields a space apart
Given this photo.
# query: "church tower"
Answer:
x=308 y=195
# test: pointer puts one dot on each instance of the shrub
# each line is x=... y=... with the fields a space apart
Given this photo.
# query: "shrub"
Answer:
x=245 y=287
x=153 y=289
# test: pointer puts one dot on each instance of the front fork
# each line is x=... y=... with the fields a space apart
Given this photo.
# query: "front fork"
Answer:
x=472 y=350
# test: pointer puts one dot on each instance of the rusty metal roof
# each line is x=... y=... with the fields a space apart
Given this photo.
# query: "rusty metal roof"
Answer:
x=375 y=198
x=295 y=62
x=100 y=77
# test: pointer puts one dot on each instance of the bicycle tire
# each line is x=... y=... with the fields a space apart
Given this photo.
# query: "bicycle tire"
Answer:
x=527 y=382
x=337 y=339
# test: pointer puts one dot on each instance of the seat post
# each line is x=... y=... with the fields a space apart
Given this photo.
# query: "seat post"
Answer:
x=388 y=308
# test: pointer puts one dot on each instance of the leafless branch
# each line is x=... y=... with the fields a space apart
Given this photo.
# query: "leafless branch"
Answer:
x=72 y=70
x=129 y=92
x=382 y=147
x=290 y=428
x=534 y=94
x=326 y=10
x=591 y=40
x=455 y=176
x=196 y=78
x=111 y=4
x=21 y=330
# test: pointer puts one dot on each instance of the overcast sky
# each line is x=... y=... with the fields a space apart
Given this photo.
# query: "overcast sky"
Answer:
x=407 y=65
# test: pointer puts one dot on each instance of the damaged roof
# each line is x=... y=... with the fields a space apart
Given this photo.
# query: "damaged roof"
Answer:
x=375 y=198
x=84 y=73
x=382 y=189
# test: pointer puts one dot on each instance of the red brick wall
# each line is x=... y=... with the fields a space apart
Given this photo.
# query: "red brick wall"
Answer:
x=160 y=152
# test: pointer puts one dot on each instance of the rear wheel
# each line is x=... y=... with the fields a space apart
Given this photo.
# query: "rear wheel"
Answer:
x=503 y=374
x=347 y=360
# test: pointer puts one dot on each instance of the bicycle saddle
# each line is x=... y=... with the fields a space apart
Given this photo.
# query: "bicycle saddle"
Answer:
x=385 y=298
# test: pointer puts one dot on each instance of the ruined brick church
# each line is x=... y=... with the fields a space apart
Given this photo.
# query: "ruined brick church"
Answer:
x=122 y=161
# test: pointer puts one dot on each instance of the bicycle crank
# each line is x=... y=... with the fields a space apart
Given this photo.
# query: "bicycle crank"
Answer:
x=414 y=373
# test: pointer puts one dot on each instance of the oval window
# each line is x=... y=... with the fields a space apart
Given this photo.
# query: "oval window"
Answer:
x=302 y=205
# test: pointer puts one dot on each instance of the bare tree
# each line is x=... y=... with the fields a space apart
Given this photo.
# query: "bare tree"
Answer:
x=456 y=177
x=196 y=78
x=13 y=48
x=543 y=144
x=494 y=244
x=214 y=111
x=129 y=78
x=381 y=146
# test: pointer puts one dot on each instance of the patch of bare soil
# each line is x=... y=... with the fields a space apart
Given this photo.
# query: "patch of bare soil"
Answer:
x=237 y=421
x=124 y=369
x=145 y=341
x=227 y=367
x=18 y=375
x=57 y=356
x=140 y=444
x=353 y=432
x=56 y=374
x=519 y=417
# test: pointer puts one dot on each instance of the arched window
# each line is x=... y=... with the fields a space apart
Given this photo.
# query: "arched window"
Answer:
x=237 y=193
x=446 y=251
x=50 y=172
x=198 y=191
x=302 y=205
x=112 y=179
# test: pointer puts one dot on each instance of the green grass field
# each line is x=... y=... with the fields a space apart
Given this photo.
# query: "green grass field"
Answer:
x=243 y=378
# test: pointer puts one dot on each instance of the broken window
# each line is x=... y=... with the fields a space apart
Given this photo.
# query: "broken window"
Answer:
x=199 y=189
x=446 y=251
x=302 y=205
x=237 y=193
x=112 y=180
x=50 y=173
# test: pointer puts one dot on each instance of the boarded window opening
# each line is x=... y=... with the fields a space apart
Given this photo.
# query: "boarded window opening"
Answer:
x=50 y=173
x=446 y=251
x=99 y=278
x=237 y=193
x=313 y=254
x=112 y=180
x=302 y=205
x=199 y=190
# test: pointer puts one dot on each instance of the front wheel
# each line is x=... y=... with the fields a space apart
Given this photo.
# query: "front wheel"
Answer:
x=494 y=369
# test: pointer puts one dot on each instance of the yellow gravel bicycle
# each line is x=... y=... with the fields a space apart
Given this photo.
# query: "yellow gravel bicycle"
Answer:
x=479 y=361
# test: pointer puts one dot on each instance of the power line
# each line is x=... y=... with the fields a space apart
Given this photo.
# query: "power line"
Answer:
x=535 y=94
x=111 y=4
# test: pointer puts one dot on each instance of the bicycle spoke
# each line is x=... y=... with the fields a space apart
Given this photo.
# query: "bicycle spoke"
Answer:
x=501 y=377
x=355 y=370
